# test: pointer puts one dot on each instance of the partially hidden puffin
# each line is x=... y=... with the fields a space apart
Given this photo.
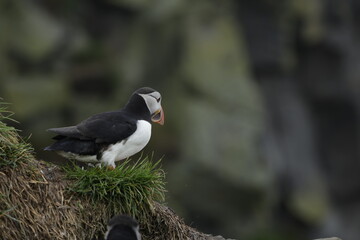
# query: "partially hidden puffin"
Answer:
x=111 y=136
x=122 y=227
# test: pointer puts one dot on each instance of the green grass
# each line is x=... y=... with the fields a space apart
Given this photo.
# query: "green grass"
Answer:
x=129 y=188
x=12 y=148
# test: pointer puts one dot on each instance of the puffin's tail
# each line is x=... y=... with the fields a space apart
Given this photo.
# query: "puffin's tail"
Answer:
x=77 y=146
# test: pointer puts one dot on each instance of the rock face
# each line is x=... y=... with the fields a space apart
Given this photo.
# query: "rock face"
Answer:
x=261 y=97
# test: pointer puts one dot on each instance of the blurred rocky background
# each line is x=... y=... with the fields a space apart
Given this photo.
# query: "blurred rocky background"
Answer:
x=261 y=98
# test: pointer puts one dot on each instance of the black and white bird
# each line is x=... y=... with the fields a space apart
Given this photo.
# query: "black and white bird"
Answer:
x=111 y=136
x=122 y=227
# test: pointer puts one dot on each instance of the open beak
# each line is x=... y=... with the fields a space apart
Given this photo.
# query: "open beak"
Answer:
x=158 y=117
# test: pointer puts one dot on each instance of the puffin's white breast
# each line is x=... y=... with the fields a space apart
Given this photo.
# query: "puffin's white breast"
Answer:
x=129 y=146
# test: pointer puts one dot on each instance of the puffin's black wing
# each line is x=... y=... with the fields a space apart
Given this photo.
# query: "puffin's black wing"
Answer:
x=69 y=139
x=108 y=127
x=88 y=137
x=71 y=132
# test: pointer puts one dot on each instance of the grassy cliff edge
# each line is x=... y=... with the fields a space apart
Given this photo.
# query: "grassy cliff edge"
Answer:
x=39 y=200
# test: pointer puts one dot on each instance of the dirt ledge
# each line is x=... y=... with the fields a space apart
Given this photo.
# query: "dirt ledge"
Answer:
x=37 y=206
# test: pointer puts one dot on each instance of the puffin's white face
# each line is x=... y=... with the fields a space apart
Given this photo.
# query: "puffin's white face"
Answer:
x=153 y=102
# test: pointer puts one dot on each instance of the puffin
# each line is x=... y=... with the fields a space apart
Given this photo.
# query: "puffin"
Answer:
x=108 y=137
x=122 y=227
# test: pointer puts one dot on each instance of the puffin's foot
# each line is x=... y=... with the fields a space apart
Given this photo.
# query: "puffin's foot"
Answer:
x=90 y=165
x=110 y=167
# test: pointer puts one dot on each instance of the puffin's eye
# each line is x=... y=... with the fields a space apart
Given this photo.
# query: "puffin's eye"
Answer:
x=157 y=99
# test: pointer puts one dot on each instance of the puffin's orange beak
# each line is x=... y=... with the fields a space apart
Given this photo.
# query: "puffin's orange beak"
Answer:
x=158 y=116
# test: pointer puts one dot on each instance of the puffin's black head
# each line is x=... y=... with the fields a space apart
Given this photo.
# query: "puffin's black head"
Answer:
x=123 y=227
x=152 y=99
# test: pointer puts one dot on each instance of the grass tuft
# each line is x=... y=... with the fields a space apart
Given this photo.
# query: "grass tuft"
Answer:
x=12 y=148
x=130 y=188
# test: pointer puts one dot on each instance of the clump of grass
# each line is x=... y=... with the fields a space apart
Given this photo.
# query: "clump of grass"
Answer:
x=12 y=148
x=130 y=188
